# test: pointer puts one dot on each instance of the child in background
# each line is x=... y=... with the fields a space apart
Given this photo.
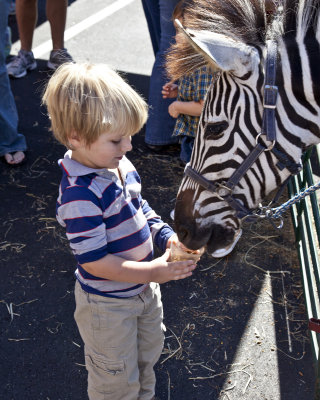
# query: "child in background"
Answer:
x=190 y=93
x=111 y=230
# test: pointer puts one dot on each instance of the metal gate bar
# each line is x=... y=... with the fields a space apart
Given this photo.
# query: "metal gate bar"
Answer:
x=306 y=221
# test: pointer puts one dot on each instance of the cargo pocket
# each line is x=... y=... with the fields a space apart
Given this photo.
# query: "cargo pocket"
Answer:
x=104 y=375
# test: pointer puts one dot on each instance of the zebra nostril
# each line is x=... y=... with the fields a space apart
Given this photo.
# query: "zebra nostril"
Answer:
x=182 y=234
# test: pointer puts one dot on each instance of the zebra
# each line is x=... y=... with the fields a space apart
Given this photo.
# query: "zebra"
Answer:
x=232 y=37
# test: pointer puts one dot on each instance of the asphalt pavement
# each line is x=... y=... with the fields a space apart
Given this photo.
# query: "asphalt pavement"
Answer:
x=235 y=330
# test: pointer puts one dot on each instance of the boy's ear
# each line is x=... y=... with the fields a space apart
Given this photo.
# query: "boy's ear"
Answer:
x=74 y=140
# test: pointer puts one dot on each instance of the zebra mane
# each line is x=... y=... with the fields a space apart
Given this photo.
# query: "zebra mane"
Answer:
x=299 y=17
x=242 y=20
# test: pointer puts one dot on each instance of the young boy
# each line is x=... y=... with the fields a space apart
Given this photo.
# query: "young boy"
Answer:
x=110 y=228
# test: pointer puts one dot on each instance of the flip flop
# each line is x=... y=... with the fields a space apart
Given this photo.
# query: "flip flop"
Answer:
x=15 y=159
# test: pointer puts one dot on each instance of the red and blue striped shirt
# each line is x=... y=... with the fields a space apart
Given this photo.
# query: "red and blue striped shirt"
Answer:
x=101 y=216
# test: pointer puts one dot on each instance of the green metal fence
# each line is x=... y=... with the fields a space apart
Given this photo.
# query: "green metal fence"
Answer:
x=306 y=221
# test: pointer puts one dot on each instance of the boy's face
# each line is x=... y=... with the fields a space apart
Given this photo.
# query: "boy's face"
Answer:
x=106 y=152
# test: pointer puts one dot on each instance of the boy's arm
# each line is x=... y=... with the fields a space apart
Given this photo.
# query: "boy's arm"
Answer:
x=159 y=270
x=160 y=231
x=193 y=108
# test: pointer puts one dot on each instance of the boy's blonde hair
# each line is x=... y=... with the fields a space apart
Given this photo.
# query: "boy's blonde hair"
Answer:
x=90 y=99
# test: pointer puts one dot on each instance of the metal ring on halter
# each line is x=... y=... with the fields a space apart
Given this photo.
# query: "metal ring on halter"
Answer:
x=222 y=190
x=269 y=147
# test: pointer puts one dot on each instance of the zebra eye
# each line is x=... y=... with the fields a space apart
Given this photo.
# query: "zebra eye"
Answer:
x=215 y=130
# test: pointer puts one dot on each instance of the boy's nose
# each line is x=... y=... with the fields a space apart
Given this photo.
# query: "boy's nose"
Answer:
x=127 y=146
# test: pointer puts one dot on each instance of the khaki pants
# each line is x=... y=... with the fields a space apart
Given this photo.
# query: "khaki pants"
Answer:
x=123 y=340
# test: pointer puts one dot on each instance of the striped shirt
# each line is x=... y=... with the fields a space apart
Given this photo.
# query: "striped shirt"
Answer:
x=191 y=87
x=102 y=216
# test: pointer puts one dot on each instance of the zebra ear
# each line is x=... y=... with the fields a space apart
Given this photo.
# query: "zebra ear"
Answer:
x=222 y=52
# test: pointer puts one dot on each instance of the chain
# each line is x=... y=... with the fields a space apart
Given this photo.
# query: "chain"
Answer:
x=274 y=215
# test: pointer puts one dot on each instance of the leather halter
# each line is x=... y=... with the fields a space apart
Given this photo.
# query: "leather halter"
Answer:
x=224 y=190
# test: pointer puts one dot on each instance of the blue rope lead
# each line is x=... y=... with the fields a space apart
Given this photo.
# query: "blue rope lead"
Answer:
x=278 y=211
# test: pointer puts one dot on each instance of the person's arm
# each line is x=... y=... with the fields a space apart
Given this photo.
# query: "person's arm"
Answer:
x=158 y=270
x=169 y=90
x=193 y=108
x=160 y=231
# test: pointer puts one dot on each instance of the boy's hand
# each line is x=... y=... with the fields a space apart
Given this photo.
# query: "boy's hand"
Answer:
x=169 y=90
x=163 y=271
x=173 y=109
x=172 y=239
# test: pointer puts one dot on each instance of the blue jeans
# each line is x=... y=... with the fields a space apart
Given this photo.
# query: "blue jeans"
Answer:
x=152 y=14
x=10 y=140
x=186 y=148
x=160 y=124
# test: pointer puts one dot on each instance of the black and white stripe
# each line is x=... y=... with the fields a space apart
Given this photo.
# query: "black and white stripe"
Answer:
x=232 y=119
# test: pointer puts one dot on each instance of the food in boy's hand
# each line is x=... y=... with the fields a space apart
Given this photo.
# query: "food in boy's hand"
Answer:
x=179 y=253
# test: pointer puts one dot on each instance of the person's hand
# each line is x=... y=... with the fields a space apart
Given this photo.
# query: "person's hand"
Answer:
x=164 y=271
x=174 y=239
x=173 y=109
x=169 y=90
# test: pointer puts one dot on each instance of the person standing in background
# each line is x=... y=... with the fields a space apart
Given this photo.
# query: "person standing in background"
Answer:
x=12 y=143
x=27 y=15
x=160 y=124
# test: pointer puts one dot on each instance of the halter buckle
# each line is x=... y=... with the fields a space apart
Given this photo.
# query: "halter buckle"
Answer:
x=270 y=96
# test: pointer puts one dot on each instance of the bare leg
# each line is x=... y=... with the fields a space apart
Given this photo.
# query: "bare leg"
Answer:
x=57 y=15
x=27 y=14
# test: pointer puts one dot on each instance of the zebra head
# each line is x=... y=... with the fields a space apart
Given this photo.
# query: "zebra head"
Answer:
x=231 y=36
